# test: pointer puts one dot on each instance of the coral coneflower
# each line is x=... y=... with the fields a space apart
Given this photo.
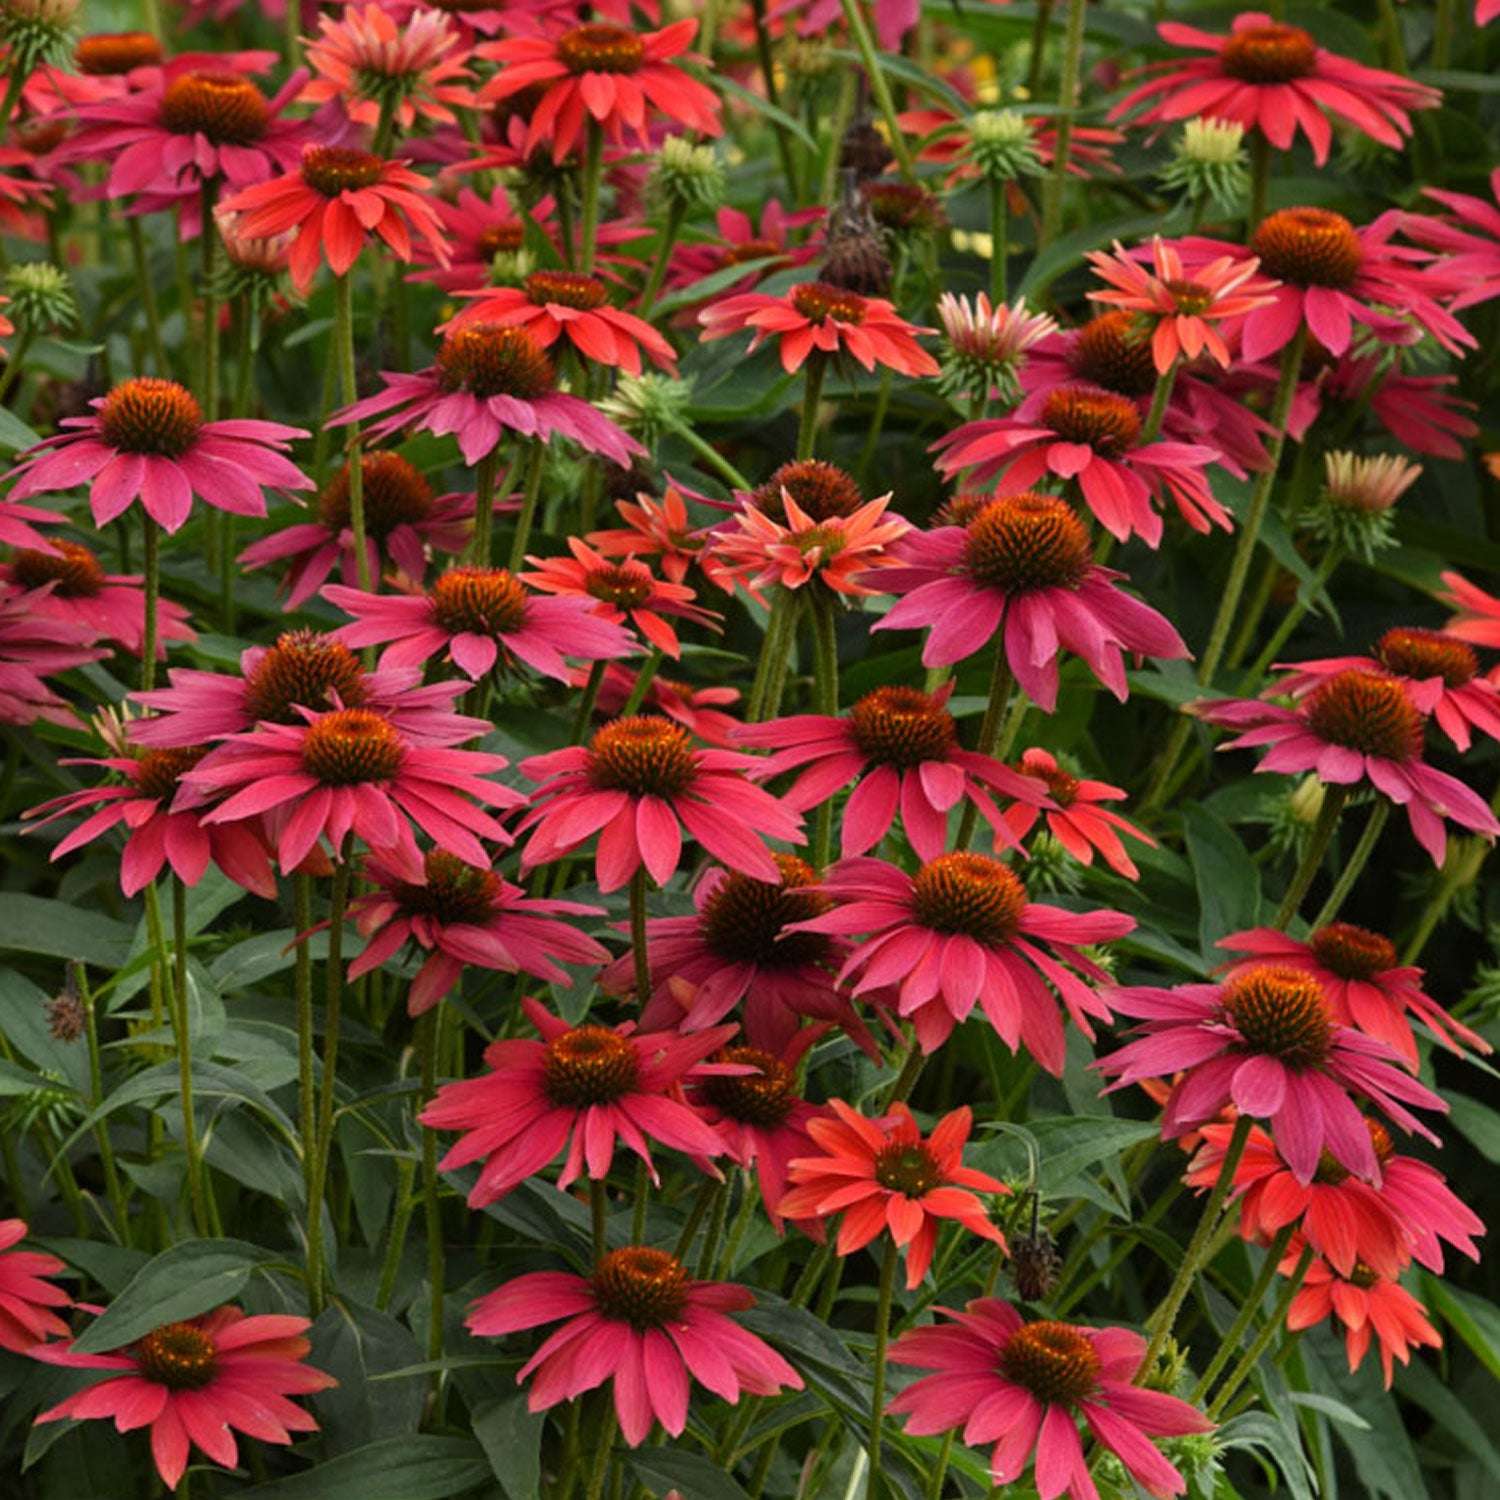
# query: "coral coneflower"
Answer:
x=662 y=529
x=27 y=1298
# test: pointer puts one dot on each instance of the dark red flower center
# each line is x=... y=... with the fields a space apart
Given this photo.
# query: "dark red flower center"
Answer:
x=1269 y=54
x=1054 y=1361
x=1309 y=247
x=817 y=301
x=643 y=1287
x=226 y=108
x=1362 y=1276
x=734 y=255
x=645 y=755
x=962 y=508
x=621 y=584
x=73 y=569
x=331 y=170
x=180 y=1356
x=969 y=893
x=486 y=360
x=1025 y=542
x=765 y=1098
x=601 y=48
x=1368 y=712
x=111 y=53
x=157 y=772
x=902 y=727
x=1108 y=423
x=1061 y=785
x=1280 y=1012
x=567 y=289
x=1411 y=652
x=478 y=601
x=39 y=136
x=351 y=746
x=148 y=415
x=1352 y=952
x=823 y=491
x=396 y=493
x=589 y=1065
x=454 y=892
x=908 y=1167
x=509 y=236
x=1331 y=1172
x=745 y=920
x=307 y=670
x=903 y=206
x=1191 y=297
x=1114 y=352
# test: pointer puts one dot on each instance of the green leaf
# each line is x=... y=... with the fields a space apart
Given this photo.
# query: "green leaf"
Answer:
x=692 y=1475
x=763 y=107
x=359 y=1346
x=111 y=1266
x=182 y=1282
x=1334 y=1410
x=33 y=924
x=710 y=286
x=1417 y=1383
x=1226 y=877
x=1477 y=1121
x=417 y=1467
x=511 y=1438
x=14 y=1080
x=23 y=1020
x=1474 y=1320
x=1067 y=1146
x=14 y=433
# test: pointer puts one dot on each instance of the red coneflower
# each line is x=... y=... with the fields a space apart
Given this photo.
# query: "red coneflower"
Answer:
x=743 y=240
x=1478 y=612
x=31 y=648
x=27 y=1299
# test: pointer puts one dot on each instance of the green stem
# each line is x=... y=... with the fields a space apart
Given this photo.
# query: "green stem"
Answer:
x=599 y=1213
x=1460 y=869
x=401 y=1213
x=643 y=680
x=658 y=274
x=585 y=714
x=1001 y=685
x=333 y=974
x=999 y=239
x=640 y=1201
x=812 y=389
x=1159 y=399
x=430 y=1039
x=701 y=1200
x=1260 y=178
x=291 y=32
x=826 y=697
x=1441 y=55
x=1248 y=1309
x=773 y=649
x=877 y=1388
x=1067 y=103
x=1306 y=596
x=15 y=363
x=749 y=1197
x=604 y=1441
x=940 y=1468
x=307 y=1088
x=1039 y=27
x=1251 y=1357
x=593 y=172
x=712 y=457
x=146 y=290
x=773 y=95
x=14 y=84
x=864 y=42
x=1354 y=866
x=182 y=1033
x=1334 y=798
x=151 y=534
x=526 y=516
x=484 y=506
x=208 y=240
x=638 y=935
x=343 y=340
x=710 y=1252
x=877 y=424
x=112 y=1186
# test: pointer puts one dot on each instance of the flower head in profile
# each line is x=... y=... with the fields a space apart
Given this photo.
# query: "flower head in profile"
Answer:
x=1478 y=613
x=639 y=784
x=661 y=529
x=1469 y=235
x=147 y=441
x=33 y=648
x=1266 y=1041
x=603 y=75
x=1076 y=819
x=700 y=710
x=883 y=1176
x=587 y=1088
x=1276 y=79
x=1358 y=495
x=459 y=915
x=642 y=1323
x=985 y=345
x=197 y=1382
x=962 y=931
x=1358 y=727
x=28 y=1300
x=1023 y=565
x=1023 y=1386
x=816 y=318
x=766 y=245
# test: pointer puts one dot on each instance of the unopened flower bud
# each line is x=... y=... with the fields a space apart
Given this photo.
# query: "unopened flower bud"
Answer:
x=1002 y=145
x=688 y=177
x=36 y=32
x=648 y=405
x=41 y=298
x=1353 y=511
x=1210 y=165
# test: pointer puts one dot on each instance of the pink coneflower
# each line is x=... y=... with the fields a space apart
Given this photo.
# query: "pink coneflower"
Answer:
x=403 y=519
x=1092 y=436
x=987 y=344
x=72 y=586
x=352 y=771
x=743 y=240
x=1266 y=1042
x=1470 y=239
x=156 y=835
x=1023 y=1386
x=570 y=305
x=1181 y=310
x=623 y=591
x=1023 y=565
x=1365 y=986
x=603 y=75
x=303 y=670
x=1366 y=1306
x=18 y=525
x=961 y=931
x=176 y=130
x=1439 y=671
x=31 y=648
x=476 y=231
x=478 y=618
x=882 y=1175
x=460 y=915
x=368 y=61
x=638 y=784
x=1358 y=727
x=902 y=746
x=26 y=1297
x=147 y=441
x=196 y=1383
x=700 y=710
x=1276 y=79
x=814 y=317
x=642 y=1323
x=335 y=198
x=487 y=382
x=1478 y=617
x=1077 y=820
x=587 y=1087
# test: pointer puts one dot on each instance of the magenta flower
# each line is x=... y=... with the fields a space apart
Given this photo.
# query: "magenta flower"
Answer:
x=1023 y=1386
x=907 y=741
x=478 y=617
x=1358 y=727
x=1266 y=1041
x=586 y=1087
x=1470 y=238
x=486 y=382
x=742 y=240
x=18 y=525
x=962 y=931
x=1091 y=435
x=147 y=441
x=33 y=647
x=459 y=915
x=1023 y=565
x=638 y=784
x=640 y=1322
x=27 y=1299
